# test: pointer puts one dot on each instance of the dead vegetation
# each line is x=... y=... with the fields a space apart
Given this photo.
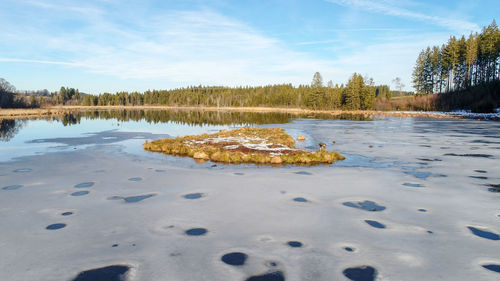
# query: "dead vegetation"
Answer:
x=245 y=145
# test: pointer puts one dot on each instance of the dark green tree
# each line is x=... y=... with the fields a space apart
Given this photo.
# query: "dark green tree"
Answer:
x=7 y=92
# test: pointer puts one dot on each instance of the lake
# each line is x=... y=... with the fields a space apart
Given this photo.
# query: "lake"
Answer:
x=415 y=199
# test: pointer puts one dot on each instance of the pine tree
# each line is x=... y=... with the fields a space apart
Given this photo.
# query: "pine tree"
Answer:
x=317 y=81
x=352 y=92
x=470 y=57
x=418 y=73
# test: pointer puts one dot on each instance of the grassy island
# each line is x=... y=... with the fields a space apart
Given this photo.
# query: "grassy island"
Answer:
x=245 y=145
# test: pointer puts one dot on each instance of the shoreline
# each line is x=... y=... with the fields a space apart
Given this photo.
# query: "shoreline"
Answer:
x=23 y=113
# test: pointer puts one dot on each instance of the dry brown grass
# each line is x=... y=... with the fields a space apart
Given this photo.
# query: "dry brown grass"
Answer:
x=60 y=110
x=26 y=113
x=245 y=145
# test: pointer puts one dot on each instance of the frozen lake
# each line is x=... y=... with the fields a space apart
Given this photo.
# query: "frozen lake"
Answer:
x=415 y=199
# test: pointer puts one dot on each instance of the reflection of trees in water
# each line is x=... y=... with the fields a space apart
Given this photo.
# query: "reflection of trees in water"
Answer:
x=186 y=117
x=70 y=119
x=9 y=128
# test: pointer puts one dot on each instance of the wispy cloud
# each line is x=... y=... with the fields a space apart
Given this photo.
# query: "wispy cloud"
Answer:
x=147 y=46
x=38 y=61
x=318 y=42
x=205 y=47
x=389 y=8
x=187 y=47
x=65 y=7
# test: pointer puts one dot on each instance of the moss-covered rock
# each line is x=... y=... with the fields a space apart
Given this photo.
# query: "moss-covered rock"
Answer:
x=245 y=145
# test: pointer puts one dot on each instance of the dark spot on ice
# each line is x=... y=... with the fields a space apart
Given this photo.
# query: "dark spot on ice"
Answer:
x=483 y=233
x=108 y=273
x=67 y=214
x=159 y=171
x=480 y=171
x=425 y=145
x=423 y=175
x=349 y=249
x=478 y=177
x=84 y=184
x=412 y=184
x=193 y=195
x=272 y=276
x=365 y=205
x=175 y=254
x=23 y=170
x=470 y=155
x=239 y=174
x=283 y=192
x=303 y=173
x=300 y=199
x=135 y=179
x=115 y=198
x=12 y=187
x=138 y=198
x=429 y=160
x=235 y=258
x=114 y=245
x=484 y=141
x=361 y=273
x=430 y=232
x=294 y=244
x=492 y=267
x=375 y=224
x=271 y=264
x=422 y=210
x=80 y=193
x=494 y=187
x=196 y=231
x=56 y=226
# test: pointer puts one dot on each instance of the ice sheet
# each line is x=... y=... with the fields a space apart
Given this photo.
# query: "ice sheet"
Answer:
x=251 y=209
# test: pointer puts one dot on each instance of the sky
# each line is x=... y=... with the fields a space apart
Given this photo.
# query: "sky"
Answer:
x=111 y=45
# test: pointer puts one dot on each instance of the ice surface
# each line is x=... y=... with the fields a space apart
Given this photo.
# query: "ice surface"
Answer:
x=249 y=209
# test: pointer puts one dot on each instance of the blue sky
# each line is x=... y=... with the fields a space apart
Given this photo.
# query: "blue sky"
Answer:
x=112 y=45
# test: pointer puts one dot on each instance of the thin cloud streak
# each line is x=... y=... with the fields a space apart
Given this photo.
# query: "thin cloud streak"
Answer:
x=38 y=61
x=385 y=8
x=318 y=42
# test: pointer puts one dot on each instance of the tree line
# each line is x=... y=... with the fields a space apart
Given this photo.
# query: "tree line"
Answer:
x=11 y=98
x=460 y=63
x=358 y=93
